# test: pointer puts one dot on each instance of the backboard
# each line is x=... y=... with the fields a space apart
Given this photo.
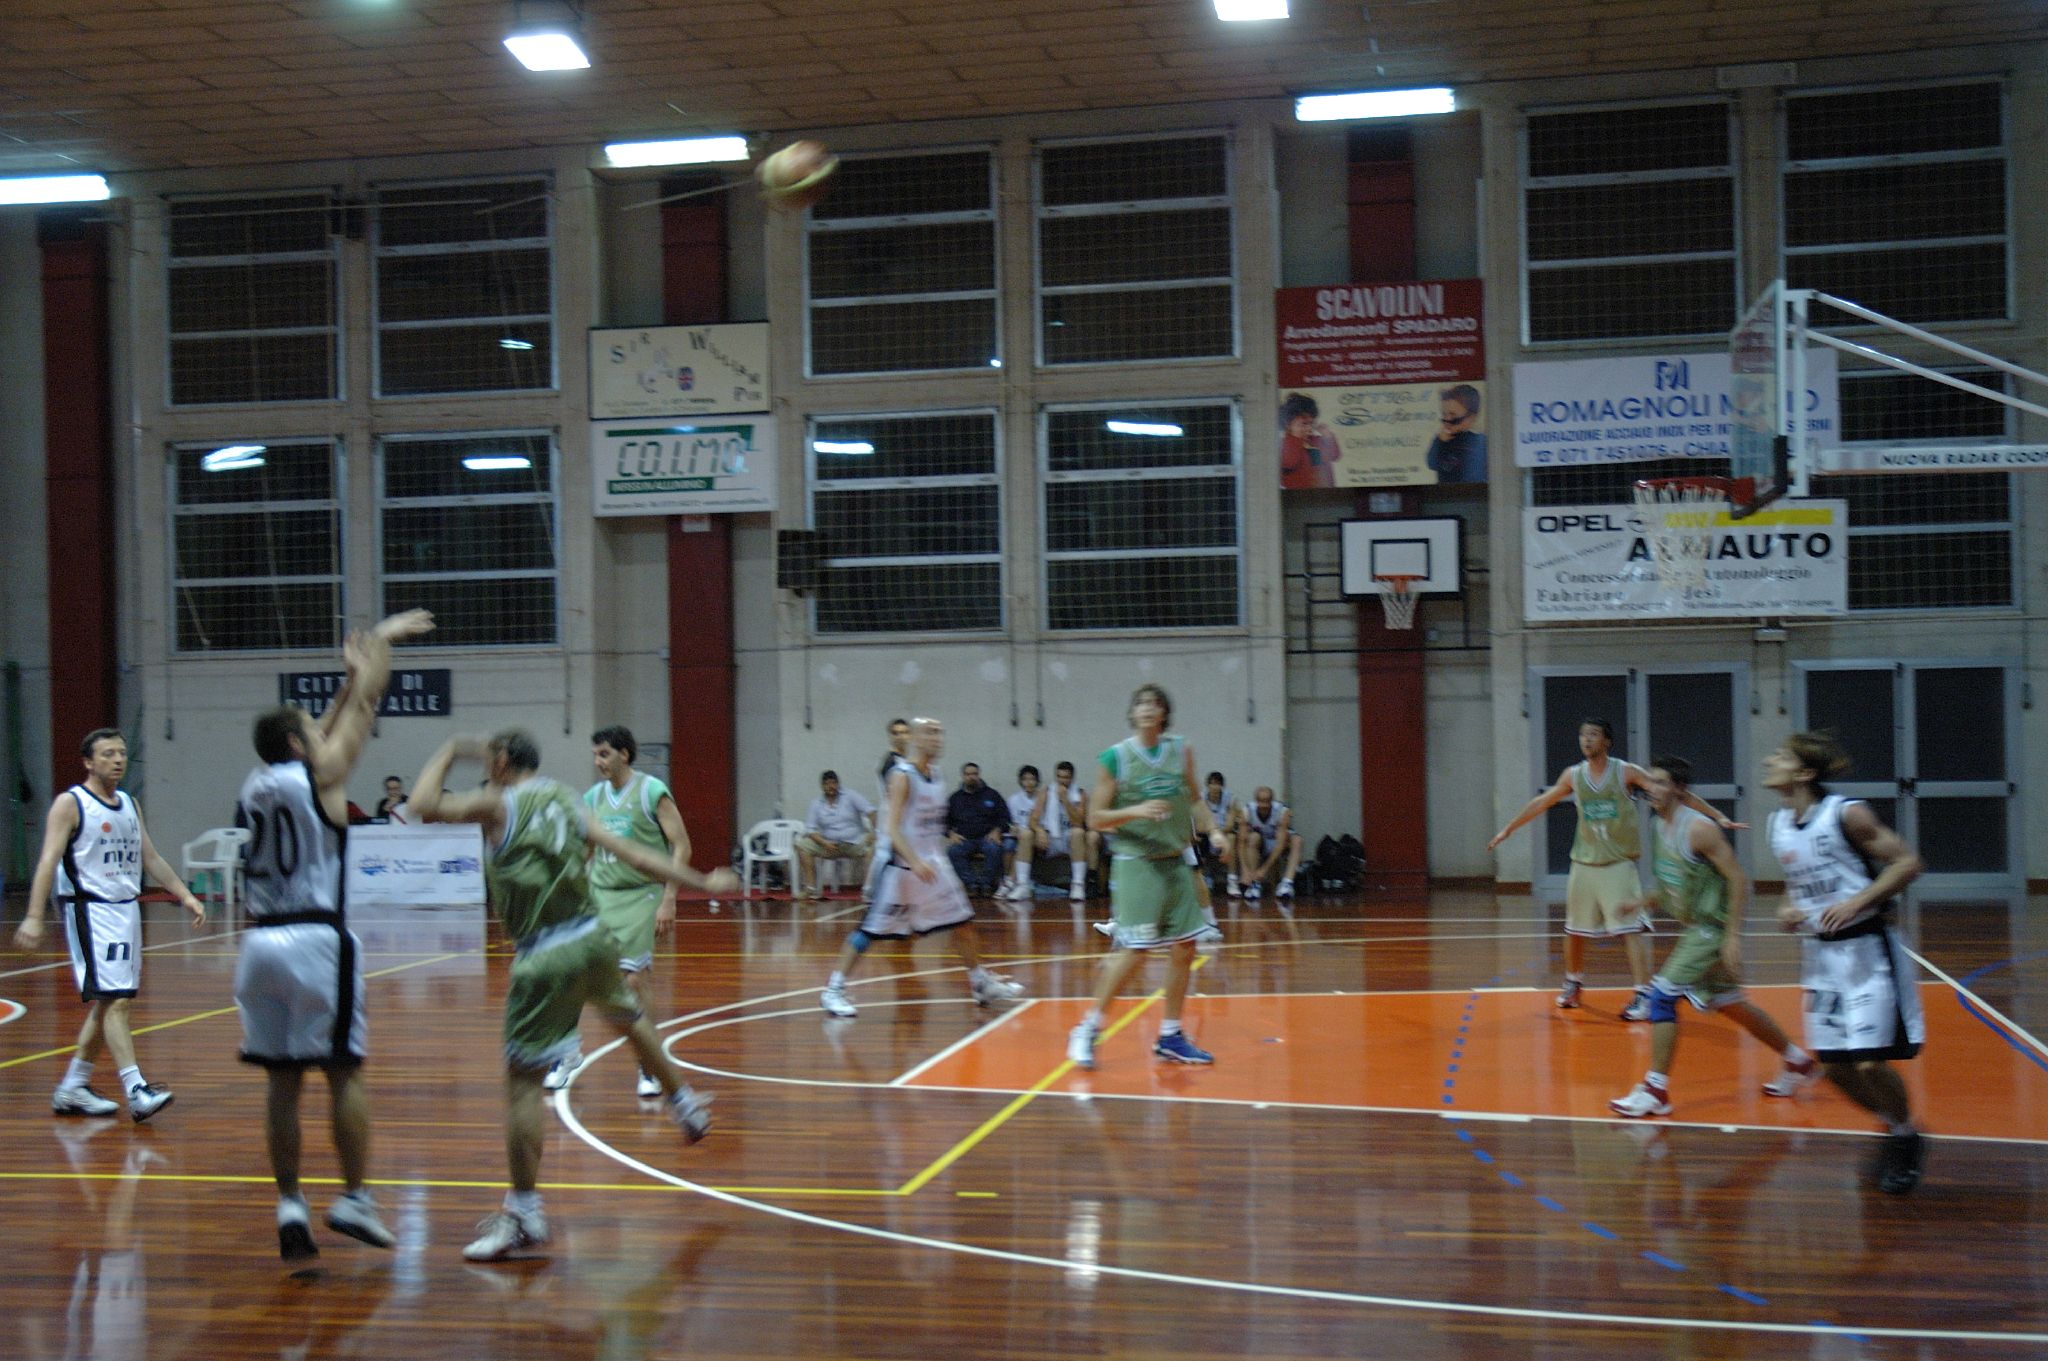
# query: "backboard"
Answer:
x=1426 y=547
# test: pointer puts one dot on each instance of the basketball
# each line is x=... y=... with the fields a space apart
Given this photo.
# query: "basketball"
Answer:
x=796 y=176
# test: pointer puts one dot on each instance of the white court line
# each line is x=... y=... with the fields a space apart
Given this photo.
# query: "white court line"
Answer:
x=969 y=1038
x=161 y=945
x=842 y=912
x=14 y=1015
x=1983 y=1005
x=1433 y=1112
x=568 y=1117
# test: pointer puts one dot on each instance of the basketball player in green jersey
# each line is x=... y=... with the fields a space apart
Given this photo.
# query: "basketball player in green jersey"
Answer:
x=1603 y=896
x=636 y=808
x=538 y=839
x=1145 y=792
x=1694 y=871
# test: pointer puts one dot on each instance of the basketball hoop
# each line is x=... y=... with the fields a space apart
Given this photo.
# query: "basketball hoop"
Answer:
x=1398 y=598
x=1679 y=515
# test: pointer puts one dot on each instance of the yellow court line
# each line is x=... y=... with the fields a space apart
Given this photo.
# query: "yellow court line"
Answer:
x=220 y=1011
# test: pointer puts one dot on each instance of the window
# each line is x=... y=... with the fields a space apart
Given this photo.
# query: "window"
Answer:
x=1629 y=222
x=901 y=266
x=1140 y=516
x=256 y=548
x=465 y=288
x=910 y=510
x=1136 y=253
x=251 y=300
x=1896 y=199
x=468 y=531
x=1925 y=540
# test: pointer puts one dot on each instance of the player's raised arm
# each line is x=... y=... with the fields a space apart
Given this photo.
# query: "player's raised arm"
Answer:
x=370 y=664
x=1535 y=808
x=655 y=865
x=1639 y=779
x=433 y=803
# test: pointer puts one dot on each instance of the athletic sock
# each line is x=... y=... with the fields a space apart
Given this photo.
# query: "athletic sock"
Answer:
x=131 y=1078
x=977 y=975
x=522 y=1202
x=1657 y=1080
x=1903 y=1127
x=1167 y=1028
x=1080 y=875
x=837 y=980
x=291 y=1209
x=1093 y=1020
x=77 y=1075
x=1795 y=1057
x=1574 y=978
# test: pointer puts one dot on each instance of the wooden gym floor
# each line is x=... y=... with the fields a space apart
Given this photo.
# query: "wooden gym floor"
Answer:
x=1403 y=1150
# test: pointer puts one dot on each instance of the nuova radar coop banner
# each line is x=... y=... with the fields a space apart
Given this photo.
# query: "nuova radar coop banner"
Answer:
x=1596 y=562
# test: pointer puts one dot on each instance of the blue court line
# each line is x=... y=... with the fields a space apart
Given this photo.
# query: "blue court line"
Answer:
x=1661 y=1260
x=2026 y=1053
x=1510 y=1178
x=1547 y=1203
x=1745 y=1296
x=1590 y=1227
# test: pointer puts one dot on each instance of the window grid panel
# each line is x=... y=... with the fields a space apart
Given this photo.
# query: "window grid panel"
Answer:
x=478 y=546
x=256 y=553
x=1899 y=199
x=909 y=510
x=464 y=288
x=1147 y=227
x=900 y=267
x=1630 y=222
x=250 y=300
x=1138 y=529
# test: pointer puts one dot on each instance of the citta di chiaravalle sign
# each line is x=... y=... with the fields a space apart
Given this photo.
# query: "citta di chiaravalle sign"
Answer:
x=1596 y=562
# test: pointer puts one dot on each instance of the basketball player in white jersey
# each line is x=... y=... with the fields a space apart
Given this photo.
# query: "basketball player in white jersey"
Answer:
x=1064 y=818
x=899 y=746
x=1862 y=992
x=1226 y=811
x=1268 y=834
x=918 y=893
x=1027 y=811
x=95 y=852
x=1603 y=894
x=299 y=982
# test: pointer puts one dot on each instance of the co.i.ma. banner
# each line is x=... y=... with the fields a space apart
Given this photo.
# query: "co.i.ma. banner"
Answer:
x=1596 y=562
x=1381 y=385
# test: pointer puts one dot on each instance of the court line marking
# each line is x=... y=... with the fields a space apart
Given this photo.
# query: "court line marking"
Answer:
x=65 y=961
x=1255 y=1103
x=969 y=1038
x=14 y=1015
x=1261 y=1288
x=251 y=1179
x=221 y=1011
x=1990 y=1010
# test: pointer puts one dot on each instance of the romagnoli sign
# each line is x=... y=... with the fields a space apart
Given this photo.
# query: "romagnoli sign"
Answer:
x=1597 y=562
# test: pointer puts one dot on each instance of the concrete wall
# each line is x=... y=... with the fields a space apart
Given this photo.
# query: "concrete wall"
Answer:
x=24 y=608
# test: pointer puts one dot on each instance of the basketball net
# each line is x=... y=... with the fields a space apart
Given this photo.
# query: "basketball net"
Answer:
x=1679 y=515
x=1397 y=599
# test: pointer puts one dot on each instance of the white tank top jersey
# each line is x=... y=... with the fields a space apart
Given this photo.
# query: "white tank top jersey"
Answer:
x=890 y=765
x=1219 y=808
x=1267 y=827
x=1822 y=866
x=293 y=859
x=1021 y=805
x=1054 y=819
x=924 y=816
x=103 y=863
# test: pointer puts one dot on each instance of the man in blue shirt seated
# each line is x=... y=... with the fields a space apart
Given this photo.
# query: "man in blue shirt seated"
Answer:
x=977 y=820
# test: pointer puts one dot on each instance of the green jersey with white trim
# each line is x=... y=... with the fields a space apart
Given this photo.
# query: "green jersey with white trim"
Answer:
x=629 y=815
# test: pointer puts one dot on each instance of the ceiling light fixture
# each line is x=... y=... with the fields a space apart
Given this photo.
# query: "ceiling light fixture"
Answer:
x=547 y=35
x=54 y=189
x=1374 y=104
x=496 y=463
x=680 y=151
x=514 y=343
x=1250 y=11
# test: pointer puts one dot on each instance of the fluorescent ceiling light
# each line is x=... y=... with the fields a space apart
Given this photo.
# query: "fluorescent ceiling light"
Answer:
x=842 y=446
x=514 y=343
x=55 y=189
x=553 y=49
x=233 y=458
x=682 y=151
x=1143 y=428
x=1374 y=104
x=1250 y=11
x=496 y=463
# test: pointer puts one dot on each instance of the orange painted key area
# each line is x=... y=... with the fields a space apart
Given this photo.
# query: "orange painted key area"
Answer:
x=1521 y=1057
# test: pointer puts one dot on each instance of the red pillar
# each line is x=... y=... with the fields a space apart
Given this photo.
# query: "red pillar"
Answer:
x=79 y=487
x=701 y=670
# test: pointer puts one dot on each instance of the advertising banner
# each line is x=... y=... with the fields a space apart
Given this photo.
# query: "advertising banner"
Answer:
x=1594 y=562
x=1636 y=407
x=678 y=370
x=438 y=865
x=1381 y=385
x=716 y=465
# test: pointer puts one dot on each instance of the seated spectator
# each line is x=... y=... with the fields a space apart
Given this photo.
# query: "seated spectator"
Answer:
x=1027 y=832
x=394 y=794
x=1227 y=812
x=978 y=823
x=1268 y=835
x=1063 y=823
x=839 y=826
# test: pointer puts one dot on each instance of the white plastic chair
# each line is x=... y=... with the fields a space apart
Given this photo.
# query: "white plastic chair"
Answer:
x=769 y=843
x=218 y=852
